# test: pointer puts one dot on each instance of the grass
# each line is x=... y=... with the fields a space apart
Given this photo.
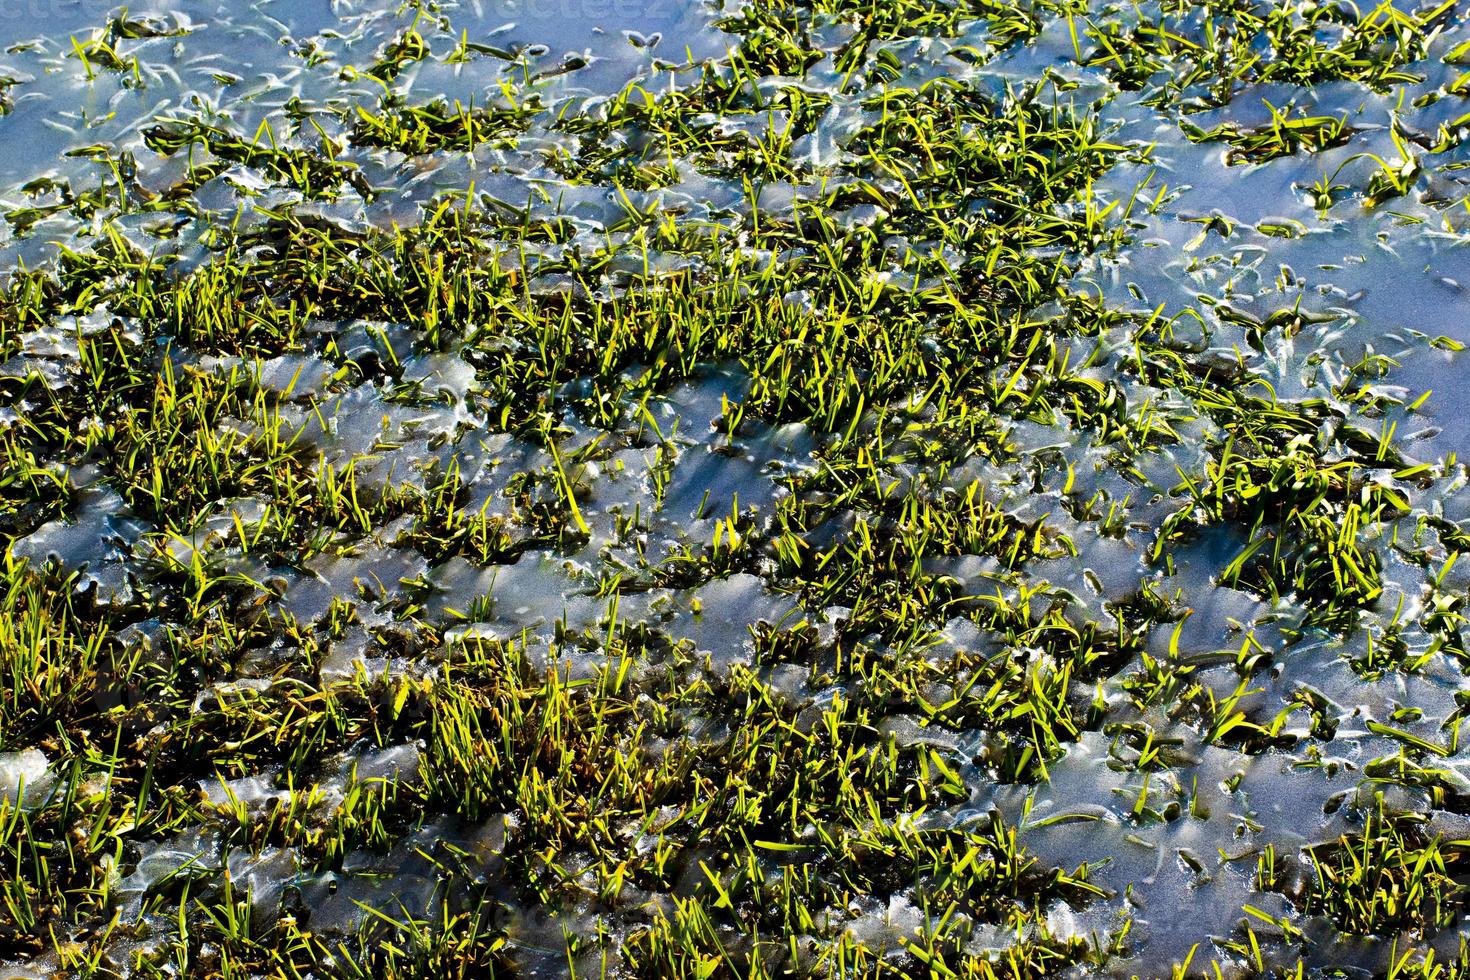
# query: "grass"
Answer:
x=1389 y=879
x=612 y=800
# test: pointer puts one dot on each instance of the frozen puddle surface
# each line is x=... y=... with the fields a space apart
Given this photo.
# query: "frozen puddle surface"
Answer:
x=758 y=488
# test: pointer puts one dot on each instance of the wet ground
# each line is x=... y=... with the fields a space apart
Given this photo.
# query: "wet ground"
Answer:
x=1193 y=696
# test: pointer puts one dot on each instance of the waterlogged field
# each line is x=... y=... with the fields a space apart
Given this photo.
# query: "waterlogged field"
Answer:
x=913 y=488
